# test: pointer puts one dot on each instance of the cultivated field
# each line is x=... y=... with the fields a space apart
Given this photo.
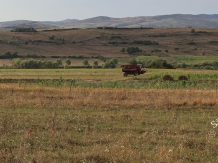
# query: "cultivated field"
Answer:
x=97 y=115
x=172 y=43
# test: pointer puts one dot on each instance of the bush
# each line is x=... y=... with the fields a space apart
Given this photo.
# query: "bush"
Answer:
x=156 y=50
x=204 y=65
x=13 y=42
x=59 y=62
x=95 y=64
x=113 y=42
x=30 y=63
x=147 y=42
x=9 y=55
x=132 y=61
x=192 y=30
x=34 y=56
x=24 y=30
x=110 y=63
x=68 y=62
x=132 y=50
x=86 y=62
x=123 y=50
x=191 y=43
x=112 y=36
x=51 y=37
x=158 y=63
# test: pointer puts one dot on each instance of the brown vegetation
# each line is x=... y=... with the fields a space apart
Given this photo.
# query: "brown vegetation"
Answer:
x=182 y=78
x=94 y=42
x=168 y=77
x=42 y=124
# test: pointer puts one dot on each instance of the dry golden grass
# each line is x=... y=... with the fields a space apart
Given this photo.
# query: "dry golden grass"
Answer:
x=93 y=42
x=45 y=124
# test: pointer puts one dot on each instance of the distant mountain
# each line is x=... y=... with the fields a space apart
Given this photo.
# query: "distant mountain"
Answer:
x=65 y=22
x=175 y=20
x=36 y=24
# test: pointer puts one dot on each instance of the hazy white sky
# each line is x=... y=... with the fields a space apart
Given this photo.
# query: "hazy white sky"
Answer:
x=42 y=10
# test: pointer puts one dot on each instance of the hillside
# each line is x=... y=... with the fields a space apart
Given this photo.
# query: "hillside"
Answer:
x=109 y=42
x=176 y=20
x=160 y=21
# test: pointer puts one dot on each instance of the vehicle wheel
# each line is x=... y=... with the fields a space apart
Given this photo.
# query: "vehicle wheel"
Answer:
x=125 y=74
x=136 y=73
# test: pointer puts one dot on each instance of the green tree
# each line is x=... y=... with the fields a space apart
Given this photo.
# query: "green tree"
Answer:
x=114 y=60
x=111 y=63
x=68 y=62
x=123 y=50
x=16 y=63
x=192 y=30
x=95 y=64
x=132 y=61
x=59 y=61
x=86 y=62
x=132 y=50
x=52 y=37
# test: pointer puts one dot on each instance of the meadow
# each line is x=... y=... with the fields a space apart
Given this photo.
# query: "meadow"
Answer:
x=97 y=115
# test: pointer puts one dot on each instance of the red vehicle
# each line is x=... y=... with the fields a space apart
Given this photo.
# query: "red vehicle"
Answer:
x=133 y=69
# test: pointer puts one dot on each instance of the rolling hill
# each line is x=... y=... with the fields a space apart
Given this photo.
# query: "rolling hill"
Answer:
x=161 y=21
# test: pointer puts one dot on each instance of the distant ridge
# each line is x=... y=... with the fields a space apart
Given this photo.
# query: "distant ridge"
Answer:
x=161 y=21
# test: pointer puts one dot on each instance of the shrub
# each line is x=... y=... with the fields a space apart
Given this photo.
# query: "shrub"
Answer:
x=192 y=30
x=59 y=62
x=86 y=62
x=155 y=50
x=51 y=37
x=113 y=42
x=168 y=77
x=146 y=42
x=110 y=63
x=132 y=50
x=68 y=62
x=123 y=50
x=9 y=55
x=34 y=56
x=30 y=63
x=182 y=77
x=158 y=63
x=95 y=64
x=24 y=30
x=132 y=61
x=13 y=42
x=191 y=43
x=112 y=36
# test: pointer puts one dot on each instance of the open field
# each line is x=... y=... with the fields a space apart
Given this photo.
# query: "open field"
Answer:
x=98 y=116
x=175 y=45
x=109 y=42
x=103 y=75
x=48 y=124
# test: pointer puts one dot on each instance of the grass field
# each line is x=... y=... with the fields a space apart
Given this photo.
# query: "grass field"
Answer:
x=194 y=59
x=94 y=42
x=104 y=117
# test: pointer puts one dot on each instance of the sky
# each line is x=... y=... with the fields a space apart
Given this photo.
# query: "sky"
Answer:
x=56 y=10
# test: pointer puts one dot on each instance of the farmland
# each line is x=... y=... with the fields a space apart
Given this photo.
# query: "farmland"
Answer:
x=97 y=115
x=176 y=45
